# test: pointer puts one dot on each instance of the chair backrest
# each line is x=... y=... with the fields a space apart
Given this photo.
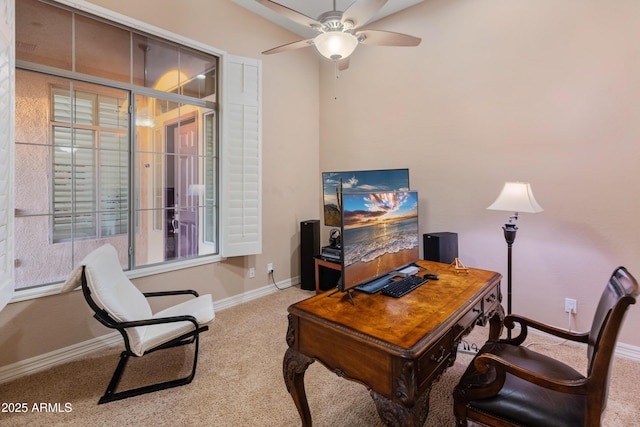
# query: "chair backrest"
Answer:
x=620 y=292
x=113 y=292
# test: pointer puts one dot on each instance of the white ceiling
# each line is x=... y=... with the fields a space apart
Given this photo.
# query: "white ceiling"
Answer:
x=314 y=8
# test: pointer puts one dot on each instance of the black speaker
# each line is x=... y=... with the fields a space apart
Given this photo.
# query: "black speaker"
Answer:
x=440 y=247
x=309 y=248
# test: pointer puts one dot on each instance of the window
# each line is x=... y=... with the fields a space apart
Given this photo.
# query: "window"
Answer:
x=120 y=143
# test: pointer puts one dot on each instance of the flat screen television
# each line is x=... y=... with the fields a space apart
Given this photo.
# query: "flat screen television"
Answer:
x=379 y=235
x=358 y=181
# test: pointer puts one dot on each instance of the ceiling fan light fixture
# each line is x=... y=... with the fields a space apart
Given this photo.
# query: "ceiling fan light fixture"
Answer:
x=335 y=45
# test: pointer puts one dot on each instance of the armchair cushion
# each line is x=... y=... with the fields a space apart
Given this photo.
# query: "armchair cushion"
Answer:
x=201 y=308
x=523 y=402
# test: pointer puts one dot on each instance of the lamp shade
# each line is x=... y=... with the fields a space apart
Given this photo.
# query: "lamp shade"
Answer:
x=516 y=197
x=335 y=45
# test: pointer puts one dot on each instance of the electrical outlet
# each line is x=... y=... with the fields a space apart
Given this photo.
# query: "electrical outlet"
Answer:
x=570 y=305
x=252 y=273
x=270 y=268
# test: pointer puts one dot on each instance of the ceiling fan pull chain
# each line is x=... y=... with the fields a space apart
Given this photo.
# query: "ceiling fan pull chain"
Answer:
x=335 y=82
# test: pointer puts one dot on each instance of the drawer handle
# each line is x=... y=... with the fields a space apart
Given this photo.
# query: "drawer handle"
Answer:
x=476 y=310
x=439 y=358
x=491 y=298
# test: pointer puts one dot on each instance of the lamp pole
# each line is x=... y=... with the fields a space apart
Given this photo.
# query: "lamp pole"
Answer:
x=510 y=230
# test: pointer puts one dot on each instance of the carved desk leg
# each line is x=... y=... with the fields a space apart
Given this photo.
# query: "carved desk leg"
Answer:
x=496 y=323
x=408 y=409
x=397 y=415
x=294 y=366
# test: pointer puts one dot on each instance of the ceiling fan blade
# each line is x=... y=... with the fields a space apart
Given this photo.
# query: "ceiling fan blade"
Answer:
x=291 y=14
x=387 y=38
x=362 y=11
x=289 y=46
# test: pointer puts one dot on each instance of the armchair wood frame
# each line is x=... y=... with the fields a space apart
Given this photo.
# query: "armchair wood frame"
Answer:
x=187 y=338
x=486 y=376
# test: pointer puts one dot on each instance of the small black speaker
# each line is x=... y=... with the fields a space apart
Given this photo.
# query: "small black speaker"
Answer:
x=440 y=247
x=309 y=248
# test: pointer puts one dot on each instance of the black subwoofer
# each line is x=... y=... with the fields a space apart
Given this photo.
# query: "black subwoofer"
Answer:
x=309 y=248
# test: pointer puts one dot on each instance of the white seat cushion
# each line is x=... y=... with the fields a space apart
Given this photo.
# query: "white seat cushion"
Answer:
x=201 y=308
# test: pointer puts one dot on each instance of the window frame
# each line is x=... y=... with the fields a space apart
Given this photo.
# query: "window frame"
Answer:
x=220 y=124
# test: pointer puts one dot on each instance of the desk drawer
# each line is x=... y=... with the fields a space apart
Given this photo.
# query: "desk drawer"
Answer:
x=491 y=299
x=435 y=360
x=474 y=315
x=489 y=303
x=471 y=316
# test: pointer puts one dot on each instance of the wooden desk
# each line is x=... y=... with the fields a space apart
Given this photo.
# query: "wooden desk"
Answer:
x=396 y=347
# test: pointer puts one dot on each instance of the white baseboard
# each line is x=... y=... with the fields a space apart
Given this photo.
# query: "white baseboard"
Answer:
x=623 y=350
x=628 y=351
x=254 y=294
x=57 y=357
x=64 y=355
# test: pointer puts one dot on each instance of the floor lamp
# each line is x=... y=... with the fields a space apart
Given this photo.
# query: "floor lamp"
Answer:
x=515 y=197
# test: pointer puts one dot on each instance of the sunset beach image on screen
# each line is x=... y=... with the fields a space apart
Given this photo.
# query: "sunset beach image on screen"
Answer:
x=380 y=234
x=356 y=182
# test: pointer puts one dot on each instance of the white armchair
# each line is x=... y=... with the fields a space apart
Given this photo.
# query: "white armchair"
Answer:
x=118 y=304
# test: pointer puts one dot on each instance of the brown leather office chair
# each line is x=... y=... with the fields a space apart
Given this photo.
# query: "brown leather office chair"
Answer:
x=508 y=384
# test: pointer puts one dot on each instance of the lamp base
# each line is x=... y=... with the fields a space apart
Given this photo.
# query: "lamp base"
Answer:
x=510 y=230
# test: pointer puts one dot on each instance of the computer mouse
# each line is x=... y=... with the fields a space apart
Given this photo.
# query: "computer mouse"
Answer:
x=429 y=276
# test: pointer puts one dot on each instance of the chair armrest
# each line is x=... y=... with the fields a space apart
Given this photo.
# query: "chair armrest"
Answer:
x=501 y=366
x=524 y=322
x=167 y=293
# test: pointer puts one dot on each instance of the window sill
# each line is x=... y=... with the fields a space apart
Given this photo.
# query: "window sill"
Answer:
x=54 y=289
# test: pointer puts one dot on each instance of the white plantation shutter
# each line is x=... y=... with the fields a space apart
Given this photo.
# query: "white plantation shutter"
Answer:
x=73 y=171
x=7 y=92
x=89 y=198
x=241 y=153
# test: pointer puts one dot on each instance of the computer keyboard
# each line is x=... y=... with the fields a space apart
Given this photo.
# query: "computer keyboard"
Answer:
x=403 y=286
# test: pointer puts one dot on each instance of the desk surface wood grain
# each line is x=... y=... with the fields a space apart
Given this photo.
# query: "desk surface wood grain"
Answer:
x=406 y=321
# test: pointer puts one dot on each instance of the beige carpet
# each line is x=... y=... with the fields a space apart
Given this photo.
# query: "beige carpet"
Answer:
x=239 y=382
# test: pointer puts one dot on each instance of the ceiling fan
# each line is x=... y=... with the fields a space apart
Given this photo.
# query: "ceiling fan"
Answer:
x=338 y=36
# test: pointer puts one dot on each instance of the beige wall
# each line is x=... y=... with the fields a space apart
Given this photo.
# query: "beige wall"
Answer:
x=291 y=176
x=540 y=91
x=546 y=92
